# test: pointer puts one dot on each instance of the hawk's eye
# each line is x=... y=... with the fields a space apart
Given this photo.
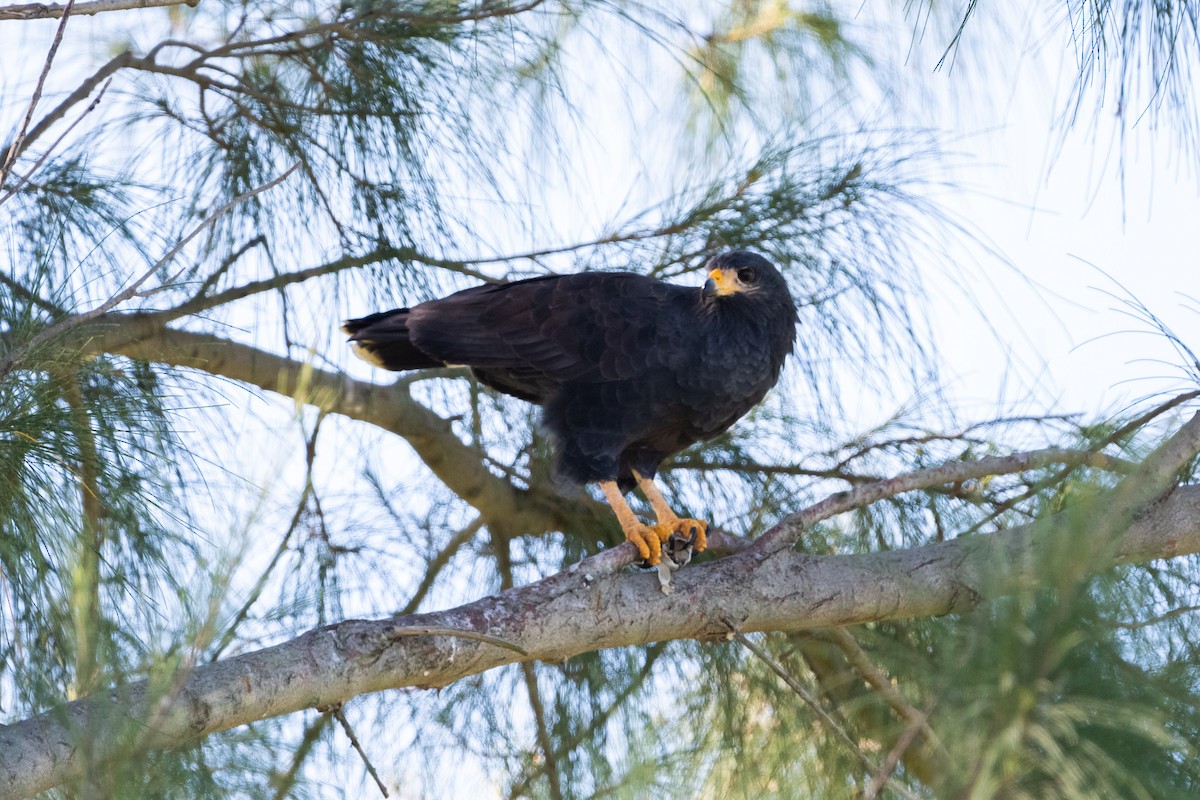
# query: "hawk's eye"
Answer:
x=746 y=275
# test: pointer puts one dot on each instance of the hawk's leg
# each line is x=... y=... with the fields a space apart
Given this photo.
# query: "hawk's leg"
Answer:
x=668 y=521
x=647 y=539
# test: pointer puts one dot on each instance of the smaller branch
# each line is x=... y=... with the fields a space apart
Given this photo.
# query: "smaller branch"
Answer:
x=865 y=445
x=42 y=158
x=435 y=566
x=17 y=145
x=225 y=265
x=340 y=716
x=1172 y=614
x=811 y=701
x=310 y=455
x=163 y=44
x=1139 y=422
x=902 y=441
x=132 y=290
x=312 y=734
x=723 y=542
x=888 y=767
x=30 y=296
x=881 y=683
x=75 y=320
x=84 y=89
x=1055 y=478
x=699 y=463
x=543 y=733
x=785 y=532
x=28 y=11
x=204 y=302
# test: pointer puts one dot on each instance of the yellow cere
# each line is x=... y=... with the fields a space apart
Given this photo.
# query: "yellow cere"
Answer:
x=726 y=282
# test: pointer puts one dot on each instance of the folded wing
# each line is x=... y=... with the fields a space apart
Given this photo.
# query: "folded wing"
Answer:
x=527 y=338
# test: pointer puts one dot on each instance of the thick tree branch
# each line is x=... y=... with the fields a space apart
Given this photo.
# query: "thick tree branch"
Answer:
x=588 y=607
x=1151 y=478
x=460 y=466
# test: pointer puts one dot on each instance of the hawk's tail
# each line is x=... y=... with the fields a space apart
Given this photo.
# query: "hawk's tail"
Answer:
x=382 y=339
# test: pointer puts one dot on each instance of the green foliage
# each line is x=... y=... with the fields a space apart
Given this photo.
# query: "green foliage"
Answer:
x=810 y=52
x=1051 y=706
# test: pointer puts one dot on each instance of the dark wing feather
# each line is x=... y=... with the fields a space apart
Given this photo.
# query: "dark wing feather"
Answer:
x=527 y=338
x=382 y=339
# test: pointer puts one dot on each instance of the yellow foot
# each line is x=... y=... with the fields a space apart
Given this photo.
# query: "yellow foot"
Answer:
x=694 y=530
x=649 y=538
x=648 y=541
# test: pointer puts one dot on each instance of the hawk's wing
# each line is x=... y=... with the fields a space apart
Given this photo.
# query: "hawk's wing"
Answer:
x=527 y=337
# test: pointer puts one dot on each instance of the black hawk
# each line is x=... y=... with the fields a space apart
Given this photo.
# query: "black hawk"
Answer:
x=628 y=370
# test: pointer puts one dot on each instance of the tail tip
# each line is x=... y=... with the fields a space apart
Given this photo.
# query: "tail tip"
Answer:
x=367 y=354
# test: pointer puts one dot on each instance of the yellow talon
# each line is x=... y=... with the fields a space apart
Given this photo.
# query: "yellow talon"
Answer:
x=695 y=530
x=648 y=542
x=649 y=538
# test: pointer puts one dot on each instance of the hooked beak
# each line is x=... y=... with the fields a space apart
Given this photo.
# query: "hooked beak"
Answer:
x=719 y=283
